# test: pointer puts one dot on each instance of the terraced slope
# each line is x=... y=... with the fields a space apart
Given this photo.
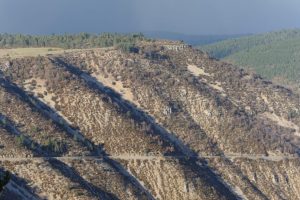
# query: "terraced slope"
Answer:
x=164 y=123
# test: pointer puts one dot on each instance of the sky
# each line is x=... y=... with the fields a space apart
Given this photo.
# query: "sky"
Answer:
x=194 y=17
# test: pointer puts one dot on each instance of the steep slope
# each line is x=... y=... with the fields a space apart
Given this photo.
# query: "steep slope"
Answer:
x=176 y=91
x=212 y=105
x=166 y=122
x=111 y=126
x=46 y=160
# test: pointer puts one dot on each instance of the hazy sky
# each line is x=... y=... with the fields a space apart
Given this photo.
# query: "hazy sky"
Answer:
x=183 y=16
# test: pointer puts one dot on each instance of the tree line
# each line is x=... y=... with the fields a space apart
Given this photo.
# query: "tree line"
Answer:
x=71 y=41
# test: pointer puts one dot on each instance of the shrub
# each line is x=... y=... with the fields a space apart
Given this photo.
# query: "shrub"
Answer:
x=292 y=114
x=54 y=146
x=35 y=129
x=20 y=139
x=128 y=47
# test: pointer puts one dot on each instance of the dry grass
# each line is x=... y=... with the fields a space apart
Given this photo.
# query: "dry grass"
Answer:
x=24 y=52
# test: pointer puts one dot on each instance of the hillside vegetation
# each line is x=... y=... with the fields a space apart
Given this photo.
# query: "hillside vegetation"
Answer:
x=160 y=121
x=273 y=55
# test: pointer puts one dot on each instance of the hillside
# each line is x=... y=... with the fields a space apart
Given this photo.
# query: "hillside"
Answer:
x=163 y=121
x=273 y=55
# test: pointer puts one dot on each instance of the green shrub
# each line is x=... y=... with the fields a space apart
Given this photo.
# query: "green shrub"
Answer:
x=54 y=146
x=35 y=129
x=20 y=139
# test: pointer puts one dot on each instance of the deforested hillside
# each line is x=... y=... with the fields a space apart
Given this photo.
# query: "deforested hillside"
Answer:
x=156 y=120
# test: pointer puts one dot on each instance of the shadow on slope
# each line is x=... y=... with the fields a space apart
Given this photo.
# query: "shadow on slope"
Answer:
x=15 y=188
x=192 y=159
x=64 y=169
x=97 y=150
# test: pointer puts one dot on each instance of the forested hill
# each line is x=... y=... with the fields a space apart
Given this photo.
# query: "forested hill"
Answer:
x=273 y=55
x=67 y=41
x=231 y=46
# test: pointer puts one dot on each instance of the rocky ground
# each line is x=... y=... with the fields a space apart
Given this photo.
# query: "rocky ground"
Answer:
x=163 y=123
